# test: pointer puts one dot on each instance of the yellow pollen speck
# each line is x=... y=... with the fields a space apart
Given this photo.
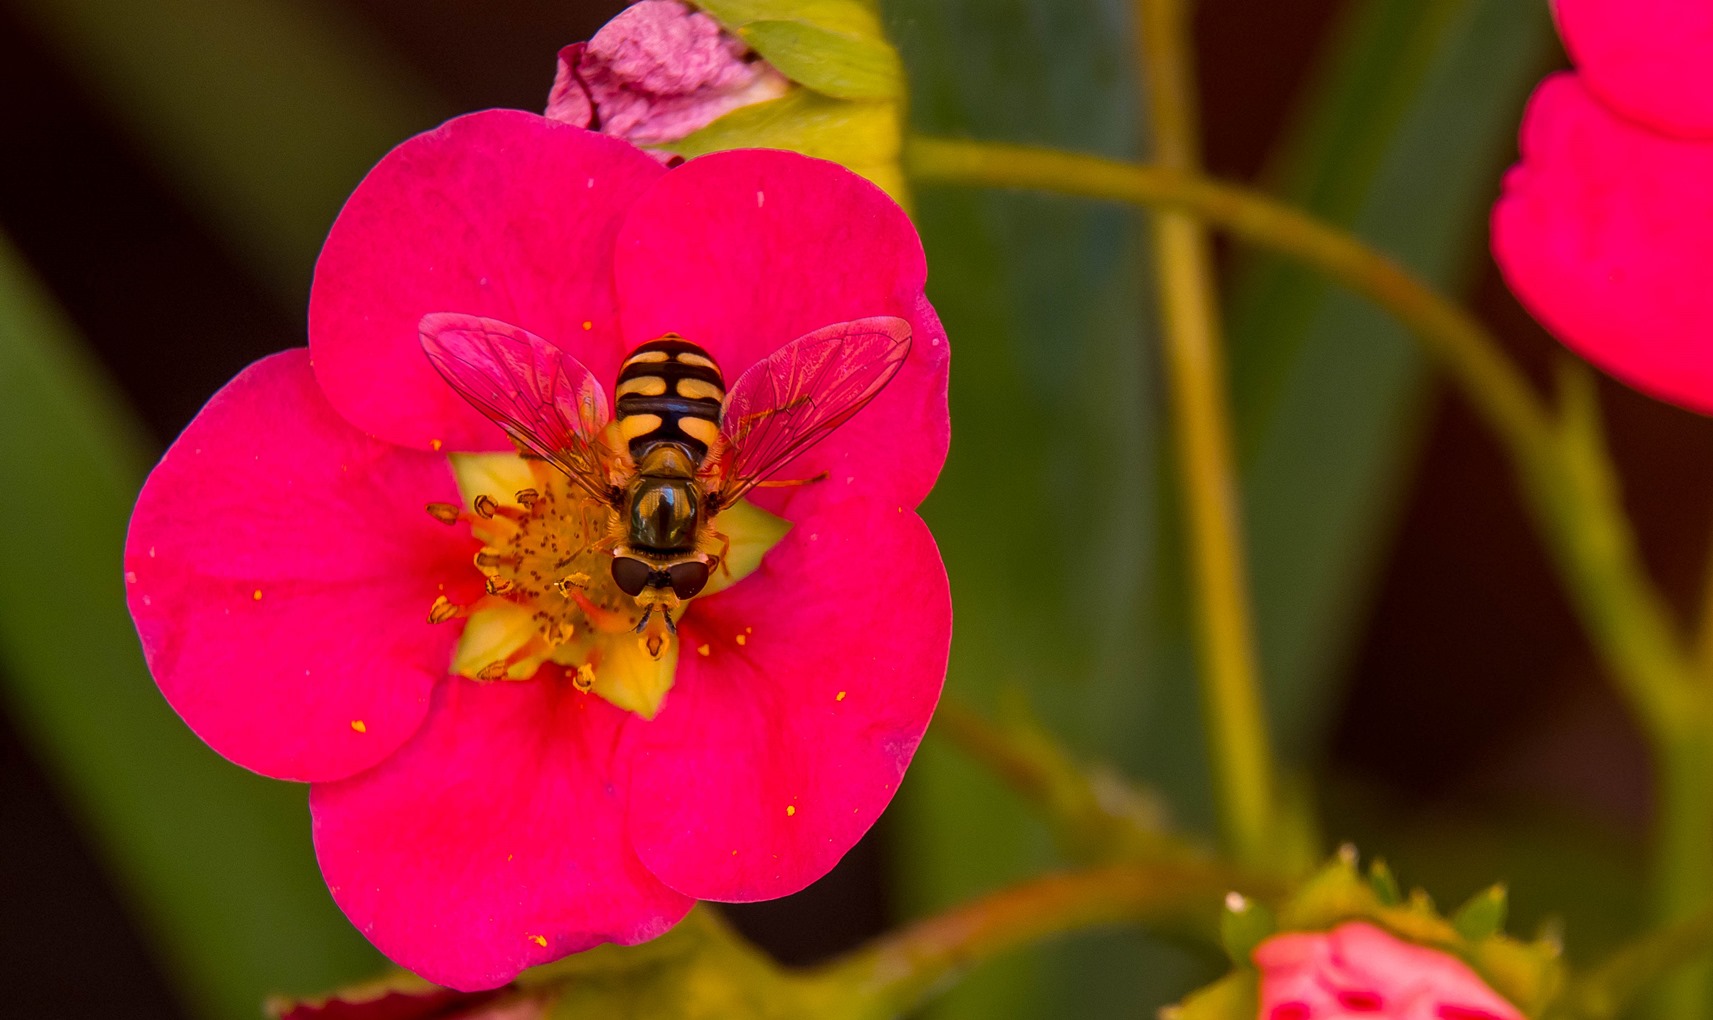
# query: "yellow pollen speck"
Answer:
x=742 y=640
x=749 y=630
x=734 y=853
x=588 y=325
x=435 y=443
x=257 y=595
x=790 y=809
x=540 y=940
x=704 y=649
x=359 y=726
x=841 y=696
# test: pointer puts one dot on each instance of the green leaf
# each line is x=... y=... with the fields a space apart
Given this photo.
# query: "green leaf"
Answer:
x=1404 y=140
x=838 y=65
x=266 y=112
x=214 y=861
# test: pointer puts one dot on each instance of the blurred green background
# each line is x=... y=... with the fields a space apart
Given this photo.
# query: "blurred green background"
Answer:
x=172 y=165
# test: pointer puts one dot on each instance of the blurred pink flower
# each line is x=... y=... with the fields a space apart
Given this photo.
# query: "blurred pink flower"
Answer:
x=280 y=564
x=1359 y=972
x=1605 y=228
x=658 y=72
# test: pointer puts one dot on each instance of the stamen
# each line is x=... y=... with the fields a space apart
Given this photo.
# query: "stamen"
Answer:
x=444 y=609
x=584 y=678
x=445 y=513
x=485 y=505
x=492 y=671
x=500 y=585
x=527 y=497
x=487 y=559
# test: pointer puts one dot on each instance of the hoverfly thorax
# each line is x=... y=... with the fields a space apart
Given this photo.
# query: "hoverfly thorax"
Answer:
x=675 y=453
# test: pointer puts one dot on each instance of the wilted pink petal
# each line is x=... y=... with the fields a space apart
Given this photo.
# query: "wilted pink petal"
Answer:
x=1650 y=60
x=748 y=250
x=658 y=72
x=493 y=841
x=1605 y=232
x=502 y=214
x=1359 y=972
x=819 y=680
x=271 y=526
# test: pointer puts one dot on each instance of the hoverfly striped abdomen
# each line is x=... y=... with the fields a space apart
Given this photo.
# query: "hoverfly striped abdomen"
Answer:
x=669 y=391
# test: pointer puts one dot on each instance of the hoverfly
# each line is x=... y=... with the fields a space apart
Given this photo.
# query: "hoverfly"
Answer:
x=682 y=447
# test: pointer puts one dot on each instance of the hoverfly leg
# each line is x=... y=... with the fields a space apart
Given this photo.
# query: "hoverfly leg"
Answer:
x=787 y=483
x=642 y=624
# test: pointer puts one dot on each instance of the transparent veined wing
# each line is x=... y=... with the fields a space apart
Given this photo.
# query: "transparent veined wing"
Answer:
x=799 y=394
x=541 y=396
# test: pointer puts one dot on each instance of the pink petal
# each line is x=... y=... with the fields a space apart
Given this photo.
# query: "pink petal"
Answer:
x=780 y=746
x=744 y=251
x=502 y=214
x=494 y=840
x=1647 y=59
x=568 y=101
x=1605 y=232
x=281 y=569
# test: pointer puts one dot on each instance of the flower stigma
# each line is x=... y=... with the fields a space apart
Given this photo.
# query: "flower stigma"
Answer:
x=550 y=596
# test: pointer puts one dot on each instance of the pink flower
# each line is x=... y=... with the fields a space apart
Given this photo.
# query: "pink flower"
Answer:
x=658 y=72
x=1605 y=228
x=282 y=571
x=1358 y=972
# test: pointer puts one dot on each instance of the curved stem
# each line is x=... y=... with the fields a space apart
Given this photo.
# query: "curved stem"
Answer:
x=902 y=970
x=1195 y=373
x=1570 y=495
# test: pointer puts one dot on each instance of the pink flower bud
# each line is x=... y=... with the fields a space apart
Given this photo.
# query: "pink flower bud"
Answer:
x=1359 y=972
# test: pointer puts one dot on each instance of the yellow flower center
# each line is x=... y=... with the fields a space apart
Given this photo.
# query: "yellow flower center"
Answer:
x=547 y=556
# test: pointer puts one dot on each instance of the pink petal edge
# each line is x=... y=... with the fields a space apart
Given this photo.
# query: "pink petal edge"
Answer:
x=502 y=214
x=1605 y=232
x=780 y=747
x=1646 y=59
x=493 y=841
x=280 y=569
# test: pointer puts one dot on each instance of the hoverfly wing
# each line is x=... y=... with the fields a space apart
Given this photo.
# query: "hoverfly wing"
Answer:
x=541 y=396
x=795 y=397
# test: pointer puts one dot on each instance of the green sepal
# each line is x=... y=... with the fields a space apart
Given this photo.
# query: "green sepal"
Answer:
x=1384 y=883
x=1233 y=997
x=1244 y=924
x=844 y=17
x=863 y=136
x=1528 y=974
x=832 y=63
x=1483 y=916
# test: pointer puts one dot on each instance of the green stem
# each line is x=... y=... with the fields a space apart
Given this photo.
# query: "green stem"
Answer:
x=1571 y=496
x=900 y=971
x=1563 y=470
x=1606 y=990
x=1195 y=372
x=1683 y=864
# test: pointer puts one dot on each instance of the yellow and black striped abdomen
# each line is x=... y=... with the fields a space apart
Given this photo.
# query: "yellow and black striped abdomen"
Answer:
x=670 y=391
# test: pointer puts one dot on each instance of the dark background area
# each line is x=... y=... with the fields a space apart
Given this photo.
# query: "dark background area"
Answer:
x=1466 y=610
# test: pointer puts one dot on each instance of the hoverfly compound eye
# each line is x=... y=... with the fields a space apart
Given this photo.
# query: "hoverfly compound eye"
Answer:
x=687 y=578
x=631 y=575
